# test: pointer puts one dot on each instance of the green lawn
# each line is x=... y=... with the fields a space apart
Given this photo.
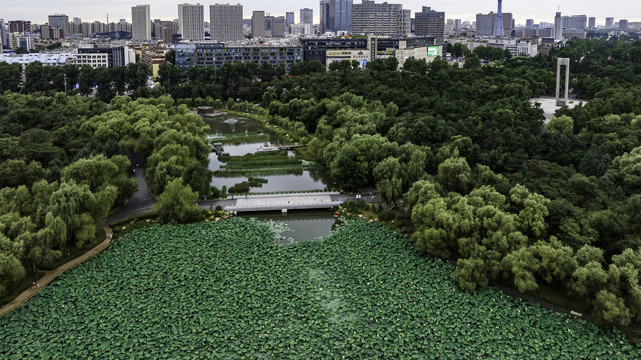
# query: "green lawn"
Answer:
x=226 y=290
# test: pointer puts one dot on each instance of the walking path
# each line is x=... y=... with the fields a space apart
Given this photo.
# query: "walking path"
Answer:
x=52 y=274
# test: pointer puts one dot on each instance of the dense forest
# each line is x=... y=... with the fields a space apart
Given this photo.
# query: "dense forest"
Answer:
x=482 y=180
x=65 y=164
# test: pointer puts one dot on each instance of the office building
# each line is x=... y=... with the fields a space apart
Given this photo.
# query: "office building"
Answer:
x=336 y=15
x=226 y=22
x=486 y=24
x=609 y=22
x=591 y=23
x=296 y=29
x=575 y=22
x=558 y=27
x=431 y=23
x=19 y=26
x=258 y=25
x=381 y=19
x=317 y=48
x=306 y=16
x=59 y=21
x=190 y=55
x=115 y=56
x=574 y=34
x=289 y=19
x=191 y=22
x=623 y=24
x=141 y=23
x=95 y=60
x=154 y=58
x=529 y=23
x=277 y=26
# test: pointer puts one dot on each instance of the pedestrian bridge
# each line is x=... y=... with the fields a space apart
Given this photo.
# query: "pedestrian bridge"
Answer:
x=285 y=202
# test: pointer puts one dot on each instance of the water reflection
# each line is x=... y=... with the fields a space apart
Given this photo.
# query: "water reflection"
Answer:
x=316 y=179
x=307 y=225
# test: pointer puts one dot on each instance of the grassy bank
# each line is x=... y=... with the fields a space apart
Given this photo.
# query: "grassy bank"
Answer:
x=260 y=164
x=236 y=139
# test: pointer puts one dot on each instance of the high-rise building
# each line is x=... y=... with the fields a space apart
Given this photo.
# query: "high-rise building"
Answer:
x=141 y=23
x=336 y=15
x=486 y=24
x=226 y=22
x=592 y=23
x=609 y=22
x=431 y=23
x=97 y=27
x=48 y=32
x=59 y=21
x=258 y=25
x=3 y=34
x=289 y=18
x=381 y=19
x=306 y=16
x=575 y=22
x=191 y=20
x=163 y=30
x=277 y=26
x=86 y=29
x=558 y=27
x=623 y=24
x=529 y=23
x=19 y=26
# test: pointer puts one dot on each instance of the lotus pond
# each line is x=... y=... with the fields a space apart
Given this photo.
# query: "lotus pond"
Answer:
x=227 y=290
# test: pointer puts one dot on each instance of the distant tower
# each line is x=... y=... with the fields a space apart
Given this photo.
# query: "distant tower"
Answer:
x=558 y=27
x=499 y=20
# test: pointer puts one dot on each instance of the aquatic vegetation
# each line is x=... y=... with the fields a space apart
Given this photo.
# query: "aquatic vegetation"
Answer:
x=228 y=290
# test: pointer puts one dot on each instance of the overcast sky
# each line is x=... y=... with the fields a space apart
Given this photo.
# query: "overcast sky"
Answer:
x=541 y=10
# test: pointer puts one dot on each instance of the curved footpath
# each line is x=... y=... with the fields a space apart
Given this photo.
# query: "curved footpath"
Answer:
x=52 y=274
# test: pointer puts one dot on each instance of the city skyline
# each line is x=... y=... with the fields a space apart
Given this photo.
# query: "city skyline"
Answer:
x=542 y=11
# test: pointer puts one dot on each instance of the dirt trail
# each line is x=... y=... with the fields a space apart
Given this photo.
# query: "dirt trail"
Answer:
x=52 y=274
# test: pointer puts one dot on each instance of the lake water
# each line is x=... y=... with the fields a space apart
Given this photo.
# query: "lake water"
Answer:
x=305 y=225
x=227 y=125
x=308 y=225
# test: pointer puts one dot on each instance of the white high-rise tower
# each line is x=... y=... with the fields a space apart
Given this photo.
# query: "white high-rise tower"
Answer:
x=226 y=22
x=191 y=22
x=141 y=23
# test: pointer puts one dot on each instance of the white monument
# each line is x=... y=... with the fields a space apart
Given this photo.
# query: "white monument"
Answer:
x=562 y=62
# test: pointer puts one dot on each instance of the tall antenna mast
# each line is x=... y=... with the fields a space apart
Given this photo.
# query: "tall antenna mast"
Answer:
x=499 y=22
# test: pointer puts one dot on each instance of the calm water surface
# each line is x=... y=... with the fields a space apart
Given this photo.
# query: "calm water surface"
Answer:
x=227 y=124
x=308 y=225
